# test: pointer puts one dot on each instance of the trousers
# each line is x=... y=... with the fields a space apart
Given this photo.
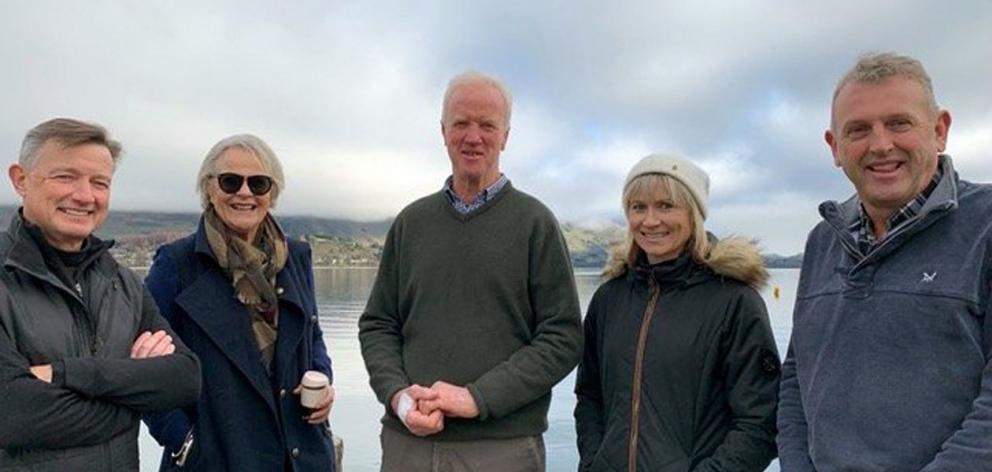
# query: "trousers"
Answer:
x=403 y=452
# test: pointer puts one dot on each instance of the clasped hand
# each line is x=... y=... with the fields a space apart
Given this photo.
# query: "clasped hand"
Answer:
x=432 y=404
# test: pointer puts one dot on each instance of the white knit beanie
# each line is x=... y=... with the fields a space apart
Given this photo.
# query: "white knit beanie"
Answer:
x=694 y=178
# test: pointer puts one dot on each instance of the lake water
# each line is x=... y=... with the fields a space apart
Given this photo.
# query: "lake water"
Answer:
x=341 y=295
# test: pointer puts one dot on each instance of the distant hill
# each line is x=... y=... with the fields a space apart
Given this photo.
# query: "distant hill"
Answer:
x=775 y=261
x=124 y=224
x=591 y=247
x=337 y=242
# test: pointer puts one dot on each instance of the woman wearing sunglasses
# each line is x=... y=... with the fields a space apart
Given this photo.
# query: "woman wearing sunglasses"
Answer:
x=240 y=294
x=680 y=370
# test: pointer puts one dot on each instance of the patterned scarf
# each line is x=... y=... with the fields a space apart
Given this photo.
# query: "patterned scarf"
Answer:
x=252 y=269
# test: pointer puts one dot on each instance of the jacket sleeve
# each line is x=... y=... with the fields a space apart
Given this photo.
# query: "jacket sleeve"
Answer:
x=380 y=326
x=169 y=427
x=793 y=447
x=38 y=414
x=751 y=375
x=969 y=448
x=321 y=360
x=792 y=440
x=589 y=408
x=556 y=345
x=151 y=384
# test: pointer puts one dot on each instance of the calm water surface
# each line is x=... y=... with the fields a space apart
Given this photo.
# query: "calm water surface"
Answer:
x=341 y=295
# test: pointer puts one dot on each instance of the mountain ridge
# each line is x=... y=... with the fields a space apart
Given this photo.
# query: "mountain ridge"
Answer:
x=337 y=241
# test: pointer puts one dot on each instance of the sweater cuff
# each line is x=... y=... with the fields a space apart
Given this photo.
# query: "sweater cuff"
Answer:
x=388 y=401
x=58 y=373
x=480 y=402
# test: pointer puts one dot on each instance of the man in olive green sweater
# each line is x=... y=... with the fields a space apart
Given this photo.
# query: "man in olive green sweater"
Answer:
x=474 y=316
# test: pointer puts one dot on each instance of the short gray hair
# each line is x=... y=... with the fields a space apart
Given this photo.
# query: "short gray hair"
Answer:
x=250 y=143
x=69 y=133
x=474 y=77
x=875 y=67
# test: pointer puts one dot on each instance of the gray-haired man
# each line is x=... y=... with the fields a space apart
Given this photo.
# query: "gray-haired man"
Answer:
x=83 y=349
x=888 y=368
x=474 y=314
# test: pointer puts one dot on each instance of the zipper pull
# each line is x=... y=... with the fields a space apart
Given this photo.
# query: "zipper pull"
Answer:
x=79 y=289
x=179 y=457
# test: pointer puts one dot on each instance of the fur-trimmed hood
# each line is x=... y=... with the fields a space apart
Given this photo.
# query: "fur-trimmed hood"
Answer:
x=739 y=259
x=734 y=257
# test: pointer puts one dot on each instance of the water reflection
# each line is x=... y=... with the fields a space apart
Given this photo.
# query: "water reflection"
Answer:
x=341 y=296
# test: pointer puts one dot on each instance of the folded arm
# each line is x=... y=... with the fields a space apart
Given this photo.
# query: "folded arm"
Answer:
x=37 y=414
x=142 y=384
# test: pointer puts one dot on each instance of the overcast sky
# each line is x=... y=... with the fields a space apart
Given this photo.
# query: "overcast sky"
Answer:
x=349 y=94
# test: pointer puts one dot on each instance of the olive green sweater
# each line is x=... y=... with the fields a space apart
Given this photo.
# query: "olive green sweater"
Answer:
x=485 y=300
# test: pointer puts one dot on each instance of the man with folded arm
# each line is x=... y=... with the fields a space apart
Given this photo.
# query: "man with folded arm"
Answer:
x=83 y=349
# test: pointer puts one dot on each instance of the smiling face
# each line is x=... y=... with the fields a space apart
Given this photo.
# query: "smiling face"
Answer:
x=67 y=191
x=242 y=212
x=886 y=137
x=660 y=226
x=475 y=131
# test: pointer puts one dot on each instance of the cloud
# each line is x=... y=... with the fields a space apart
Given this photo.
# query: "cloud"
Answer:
x=348 y=93
x=780 y=223
x=969 y=144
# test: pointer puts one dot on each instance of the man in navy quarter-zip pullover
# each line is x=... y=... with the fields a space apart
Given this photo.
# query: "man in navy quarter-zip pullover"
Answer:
x=888 y=366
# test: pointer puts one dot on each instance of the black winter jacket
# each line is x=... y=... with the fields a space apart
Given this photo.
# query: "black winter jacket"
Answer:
x=681 y=362
x=87 y=417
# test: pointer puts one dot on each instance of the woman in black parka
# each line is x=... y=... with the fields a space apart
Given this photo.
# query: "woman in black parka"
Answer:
x=680 y=370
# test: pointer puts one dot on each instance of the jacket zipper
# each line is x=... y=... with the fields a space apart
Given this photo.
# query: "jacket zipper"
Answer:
x=635 y=397
x=86 y=332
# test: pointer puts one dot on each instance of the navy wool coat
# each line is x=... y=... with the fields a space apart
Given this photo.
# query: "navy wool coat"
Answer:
x=244 y=420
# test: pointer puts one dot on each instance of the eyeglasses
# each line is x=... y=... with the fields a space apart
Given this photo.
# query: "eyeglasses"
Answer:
x=258 y=184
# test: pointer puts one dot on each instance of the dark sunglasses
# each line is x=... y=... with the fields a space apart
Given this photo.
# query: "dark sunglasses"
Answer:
x=231 y=183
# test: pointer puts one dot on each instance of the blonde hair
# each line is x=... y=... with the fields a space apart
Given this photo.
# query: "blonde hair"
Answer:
x=625 y=255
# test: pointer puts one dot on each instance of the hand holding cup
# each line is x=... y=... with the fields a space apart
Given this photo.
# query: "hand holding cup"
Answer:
x=316 y=396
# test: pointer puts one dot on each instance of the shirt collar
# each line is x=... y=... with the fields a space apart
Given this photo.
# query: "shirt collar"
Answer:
x=863 y=228
x=481 y=198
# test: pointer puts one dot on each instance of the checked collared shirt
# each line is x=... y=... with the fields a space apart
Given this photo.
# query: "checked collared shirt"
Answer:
x=863 y=229
x=484 y=196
